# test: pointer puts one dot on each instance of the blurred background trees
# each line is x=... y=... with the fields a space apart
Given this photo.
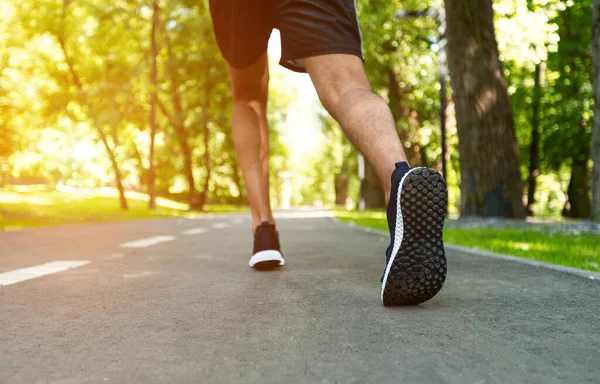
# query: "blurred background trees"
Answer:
x=134 y=95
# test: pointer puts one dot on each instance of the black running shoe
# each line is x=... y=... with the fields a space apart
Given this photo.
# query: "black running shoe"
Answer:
x=267 y=252
x=416 y=261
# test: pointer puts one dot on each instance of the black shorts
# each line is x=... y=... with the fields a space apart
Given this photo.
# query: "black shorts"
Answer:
x=308 y=28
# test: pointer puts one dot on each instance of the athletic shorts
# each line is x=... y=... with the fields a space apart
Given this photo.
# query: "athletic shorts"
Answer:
x=308 y=28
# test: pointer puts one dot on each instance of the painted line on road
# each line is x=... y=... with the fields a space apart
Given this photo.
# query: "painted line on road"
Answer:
x=237 y=221
x=18 y=275
x=148 y=242
x=194 y=231
x=219 y=225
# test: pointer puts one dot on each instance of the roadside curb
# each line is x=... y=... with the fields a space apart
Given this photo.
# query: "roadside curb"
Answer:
x=480 y=252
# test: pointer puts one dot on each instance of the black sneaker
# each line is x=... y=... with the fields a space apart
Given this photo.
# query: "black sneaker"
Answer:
x=267 y=252
x=416 y=261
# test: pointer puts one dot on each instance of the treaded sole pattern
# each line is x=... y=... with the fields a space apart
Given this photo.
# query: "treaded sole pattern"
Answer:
x=418 y=269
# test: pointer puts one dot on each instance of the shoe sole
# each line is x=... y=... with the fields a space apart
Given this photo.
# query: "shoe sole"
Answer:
x=417 y=269
x=269 y=259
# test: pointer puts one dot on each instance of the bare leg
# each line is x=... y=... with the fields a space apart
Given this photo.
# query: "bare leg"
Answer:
x=251 y=136
x=345 y=92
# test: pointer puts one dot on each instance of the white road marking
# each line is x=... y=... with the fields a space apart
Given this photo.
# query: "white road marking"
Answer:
x=237 y=221
x=19 y=275
x=194 y=231
x=219 y=225
x=148 y=242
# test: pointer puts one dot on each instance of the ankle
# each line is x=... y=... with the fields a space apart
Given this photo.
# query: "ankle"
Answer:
x=257 y=222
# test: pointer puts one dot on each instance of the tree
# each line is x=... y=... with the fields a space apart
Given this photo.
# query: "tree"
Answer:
x=195 y=95
x=567 y=131
x=94 y=96
x=97 y=94
x=534 y=147
x=596 y=122
x=524 y=38
x=489 y=159
x=152 y=112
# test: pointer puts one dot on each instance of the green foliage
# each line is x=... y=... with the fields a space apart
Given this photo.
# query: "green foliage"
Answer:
x=556 y=34
x=567 y=124
x=73 y=73
x=404 y=52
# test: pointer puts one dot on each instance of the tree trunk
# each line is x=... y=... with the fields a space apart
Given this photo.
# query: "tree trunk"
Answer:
x=188 y=167
x=536 y=128
x=578 y=202
x=372 y=190
x=152 y=116
x=206 y=138
x=177 y=119
x=207 y=167
x=115 y=166
x=596 y=121
x=341 y=185
x=489 y=158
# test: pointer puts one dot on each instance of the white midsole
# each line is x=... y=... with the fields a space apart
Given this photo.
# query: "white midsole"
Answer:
x=398 y=233
x=269 y=255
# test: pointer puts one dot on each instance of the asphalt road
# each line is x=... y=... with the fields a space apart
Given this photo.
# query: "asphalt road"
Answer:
x=185 y=307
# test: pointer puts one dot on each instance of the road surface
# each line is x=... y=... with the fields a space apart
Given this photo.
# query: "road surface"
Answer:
x=174 y=301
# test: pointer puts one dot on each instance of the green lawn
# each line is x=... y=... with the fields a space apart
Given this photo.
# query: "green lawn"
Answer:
x=36 y=208
x=568 y=249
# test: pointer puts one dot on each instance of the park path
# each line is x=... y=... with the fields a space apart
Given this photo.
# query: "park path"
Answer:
x=174 y=301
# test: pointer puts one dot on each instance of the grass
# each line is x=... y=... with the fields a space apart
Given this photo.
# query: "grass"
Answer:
x=568 y=249
x=25 y=208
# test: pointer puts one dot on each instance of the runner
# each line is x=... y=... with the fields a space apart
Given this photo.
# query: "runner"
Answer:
x=322 y=38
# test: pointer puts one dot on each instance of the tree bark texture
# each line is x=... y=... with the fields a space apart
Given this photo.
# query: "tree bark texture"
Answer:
x=596 y=121
x=489 y=159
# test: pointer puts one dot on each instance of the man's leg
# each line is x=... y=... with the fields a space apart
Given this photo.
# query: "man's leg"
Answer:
x=345 y=92
x=417 y=198
x=251 y=136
